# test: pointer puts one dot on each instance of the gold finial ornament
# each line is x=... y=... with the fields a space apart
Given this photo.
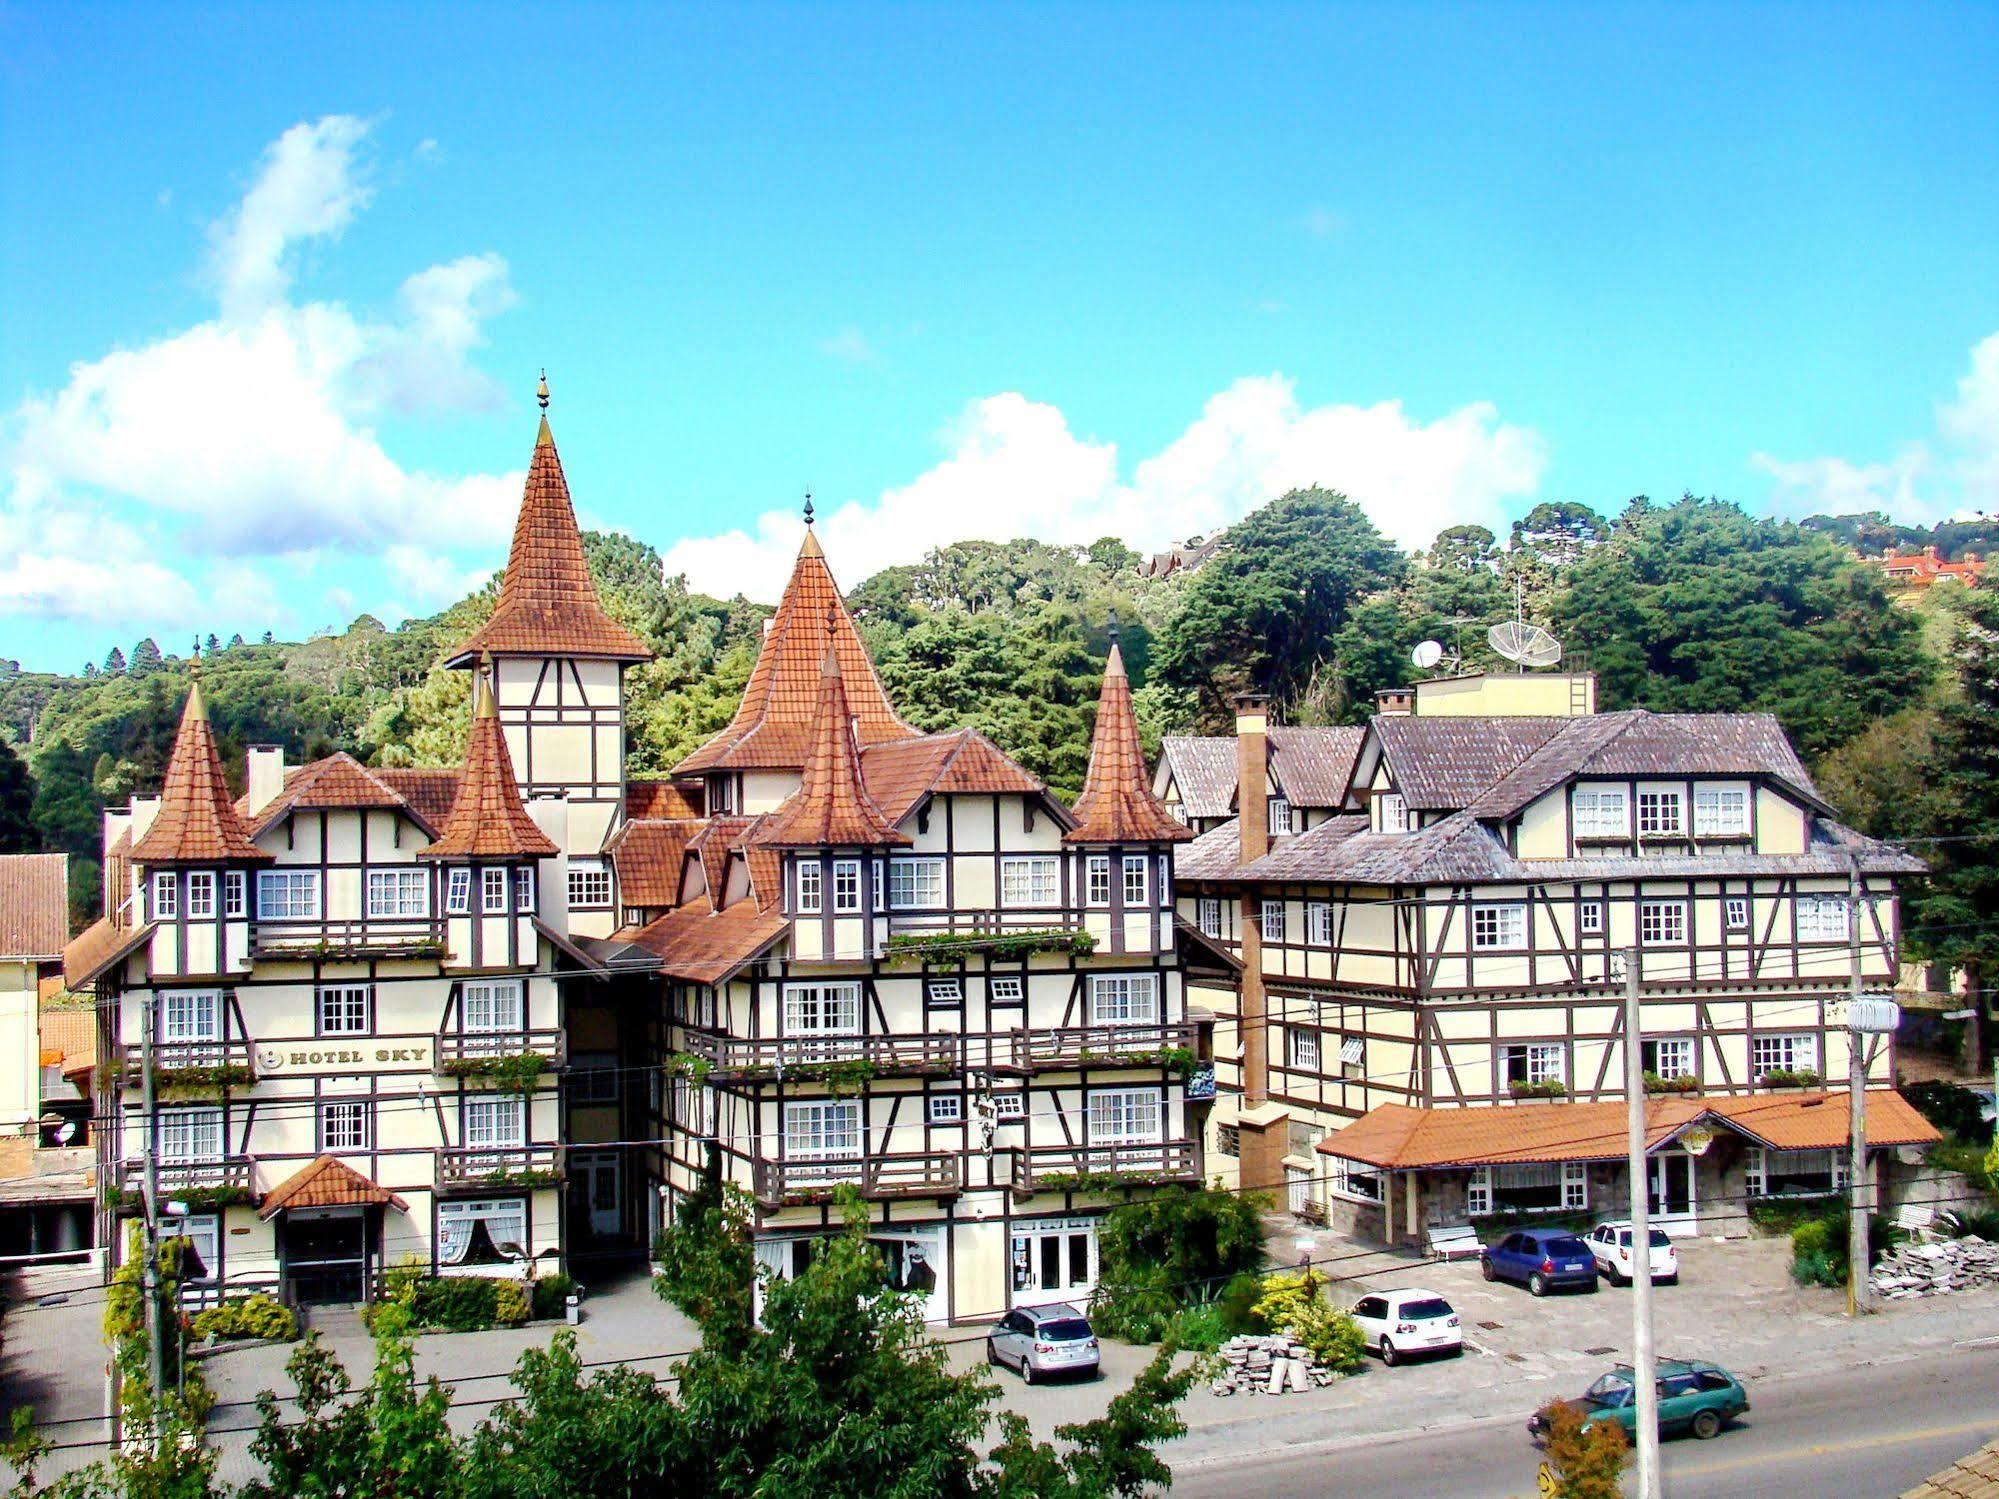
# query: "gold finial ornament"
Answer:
x=541 y=391
x=808 y=507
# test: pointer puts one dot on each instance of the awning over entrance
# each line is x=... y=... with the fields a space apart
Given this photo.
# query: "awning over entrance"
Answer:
x=1395 y=1137
x=327 y=1183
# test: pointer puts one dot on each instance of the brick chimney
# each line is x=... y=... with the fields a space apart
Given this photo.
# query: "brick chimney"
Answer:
x=1252 y=769
x=1262 y=1134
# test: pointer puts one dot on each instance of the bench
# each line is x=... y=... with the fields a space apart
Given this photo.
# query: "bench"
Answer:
x=1451 y=1243
x=1920 y=1221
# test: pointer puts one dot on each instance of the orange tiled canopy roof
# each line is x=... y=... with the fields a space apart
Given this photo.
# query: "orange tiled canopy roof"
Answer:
x=488 y=820
x=328 y=1183
x=548 y=602
x=772 y=729
x=1117 y=804
x=197 y=822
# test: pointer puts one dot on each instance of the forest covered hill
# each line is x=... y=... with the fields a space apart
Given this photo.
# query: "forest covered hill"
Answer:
x=1694 y=606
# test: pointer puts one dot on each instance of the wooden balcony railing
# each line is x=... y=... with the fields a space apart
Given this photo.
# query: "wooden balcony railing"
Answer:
x=1067 y=1048
x=793 y=1056
x=383 y=934
x=237 y=1172
x=498 y=1168
x=1048 y=1168
x=186 y=1064
x=478 y=1046
x=782 y=1183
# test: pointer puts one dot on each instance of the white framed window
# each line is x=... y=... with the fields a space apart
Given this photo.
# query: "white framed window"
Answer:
x=823 y=1130
x=1602 y=812
x=1589 y=918
x=1784 y=1053
x=809 y=880
x=1006 y=989
x=1280 y=816
x=504 y=1221
x=878 y=884
x=166 y=895
x=1668 y=1056
x=1208 y=911
x=344 y=1009
x=1799 y=1173
x=1134 y=880
x=495 y=1123
x=1498 y=927
x=1011 y=1105
x=190 y=1015
x=398 y=892
x=822 y=1009
x=346 y=1124
x=1353 y=1054
x=493 y=1005
x=1272 y=918
x=589 y=885
x=201 y=893
x=1126 y=1116
x=287 y=894
x=458 y=892
x=1319 y=923
x=915 y=884
x=203 y=1257
x=1352 y=1180
x=1661 y=814
x=1030 y=880
x=1823 y=918
x=1302 y=1048
x=946 y=1108
x=493 y=890
x=1720 y=811
x=1391 y=812
x=1164 y=889
x=190 y=1135
x=1124 y=999
x=947 y=993
x=1097 y=879
x=846 y=886
x=524 y=889
x=1533 y=1062
x=235 y=894
x=1528 y=1188
x=1735 y=913
x=1662 y=923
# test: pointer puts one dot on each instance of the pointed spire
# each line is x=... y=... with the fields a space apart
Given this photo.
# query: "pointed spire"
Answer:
x=548 y=604
x=197 y=822
x=488 y=820
x=1117 y=804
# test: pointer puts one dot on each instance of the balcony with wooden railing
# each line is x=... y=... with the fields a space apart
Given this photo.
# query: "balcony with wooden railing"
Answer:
x=498 y=1168
x=456 y=1051
x=381 y=936
x=189 y=1066
x=1083 y=1168
x=216 y=1174
x=787 y=1183
x=738 y=1058
x=1071 y=1048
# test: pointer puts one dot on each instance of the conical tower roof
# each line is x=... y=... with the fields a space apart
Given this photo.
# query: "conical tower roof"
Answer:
x=773 y=726
x=1117 y=804
x=488 y=820
x=831 y=808
x=548 y=601
x=197 y=822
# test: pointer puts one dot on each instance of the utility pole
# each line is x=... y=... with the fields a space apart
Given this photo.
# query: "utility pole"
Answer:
x=1643 y=1370
x=150 y=1192
x=1859 y=1182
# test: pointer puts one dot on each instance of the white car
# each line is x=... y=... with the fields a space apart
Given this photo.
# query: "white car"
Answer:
x=1611 y=1244
x=1399 y=1323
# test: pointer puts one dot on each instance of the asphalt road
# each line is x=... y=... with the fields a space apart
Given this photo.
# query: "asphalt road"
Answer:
x=1868 y=1433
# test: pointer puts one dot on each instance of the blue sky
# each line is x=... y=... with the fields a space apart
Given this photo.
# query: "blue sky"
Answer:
x=277 y=281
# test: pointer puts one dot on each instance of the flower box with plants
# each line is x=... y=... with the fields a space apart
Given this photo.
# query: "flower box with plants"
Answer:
x=1010 y=946
x=1551 y=1088
x=1790 y=1077
x=686 y=1064
x=1095 y=1181
x=198 y=1199
x=1176 y=1059
x=527 y=1179
x=1686 y=1082
x=516 y=1072
x=205 y=1079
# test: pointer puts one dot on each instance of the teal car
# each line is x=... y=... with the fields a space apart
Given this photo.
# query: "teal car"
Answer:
x=1693 y=1397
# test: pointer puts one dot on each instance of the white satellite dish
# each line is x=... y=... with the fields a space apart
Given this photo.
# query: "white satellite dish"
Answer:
x=1427 y=654
x=1528 y=645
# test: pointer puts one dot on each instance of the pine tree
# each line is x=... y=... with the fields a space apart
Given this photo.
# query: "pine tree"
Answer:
x=146 y=657
x=114 y=663
x=234 y=641
x=213 y=644
x=269 y=638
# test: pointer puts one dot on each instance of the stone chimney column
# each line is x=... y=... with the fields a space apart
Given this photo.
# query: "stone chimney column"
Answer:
x=264 y=775
x=1261 y=1163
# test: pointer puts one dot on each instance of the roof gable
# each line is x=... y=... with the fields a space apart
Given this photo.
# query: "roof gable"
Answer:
x=34 y=905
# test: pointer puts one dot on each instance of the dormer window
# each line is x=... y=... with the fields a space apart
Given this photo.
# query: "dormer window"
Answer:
x=201 y=894
x=809 y=881
x=1661 y=814
x=1602 y=812
x=458 y=892
x=493 y=891
x=166 y=896
x=1392 y=812
x=1280 y=817
x=1721 y=812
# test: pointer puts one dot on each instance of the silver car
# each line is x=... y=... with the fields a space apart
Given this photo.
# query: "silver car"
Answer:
x=1043 y=1340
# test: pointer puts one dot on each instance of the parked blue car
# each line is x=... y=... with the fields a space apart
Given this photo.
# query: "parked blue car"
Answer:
x=1542 y=1259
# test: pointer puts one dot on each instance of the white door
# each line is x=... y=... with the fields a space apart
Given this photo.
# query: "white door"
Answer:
x=1298 y=1184
x=1054 y=1260
x=596 y=1178
x=1671 y=1200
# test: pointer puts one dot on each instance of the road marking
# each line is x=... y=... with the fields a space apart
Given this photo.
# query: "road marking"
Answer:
x=1829 y=1449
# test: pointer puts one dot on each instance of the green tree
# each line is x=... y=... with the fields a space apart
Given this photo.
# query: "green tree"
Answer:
x=114 y=663
x=146 y=657
x=18 y=833
x=1588 y=1462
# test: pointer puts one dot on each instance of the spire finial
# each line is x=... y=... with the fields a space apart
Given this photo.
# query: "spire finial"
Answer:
x=808 y=507
x=1113 y=625
x=541 y=391
x=483 y=705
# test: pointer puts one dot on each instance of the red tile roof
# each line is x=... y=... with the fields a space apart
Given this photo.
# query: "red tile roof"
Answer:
x=428 y=792
x=34 y=905
x=707 y=947
x=327 y=1183
x=97 y=948
x=197 y=822
x=713 y=845
x=1117 y=804
x=488 y=819
x=772 y=728
x=548 y=601
x=337 y=782
x=69 y=1037
x=662 y=798
x=831 y=807
x=648 y=856
x=900 y=773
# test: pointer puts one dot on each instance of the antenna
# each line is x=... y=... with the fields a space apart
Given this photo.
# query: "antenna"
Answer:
x=1427 y=654
x=1524 y=644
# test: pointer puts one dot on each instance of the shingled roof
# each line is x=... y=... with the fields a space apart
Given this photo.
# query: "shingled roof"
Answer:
x=197 y=822
x=327 y=1182
x=648 y=854
x=338 y=782
x=1203 y=768
x=707 y=947
x=34 y=906
x=548 y=602
x=488 y=819
x=98 y=948
x=1312 y=764
x=772 y=729
x=1116 y=804
x=900 y=773
x=831 y=807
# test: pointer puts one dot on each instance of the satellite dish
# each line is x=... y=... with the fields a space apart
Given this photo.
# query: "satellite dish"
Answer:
x=1528 y=645
x=67 y=1133
x=1427 y=654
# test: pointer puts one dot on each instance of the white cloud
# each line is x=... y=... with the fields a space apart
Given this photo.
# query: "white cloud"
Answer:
x=1954 y=470
x=1015 y=469
x=251 y=434
x=851 y=346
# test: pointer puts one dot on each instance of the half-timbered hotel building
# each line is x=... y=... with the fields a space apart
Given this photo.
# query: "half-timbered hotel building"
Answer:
x=1428 y=1025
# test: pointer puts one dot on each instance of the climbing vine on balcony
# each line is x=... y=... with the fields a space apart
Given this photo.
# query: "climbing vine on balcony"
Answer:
x=204 y=1079
x=527 y=1179
x=198 y=1199
x=1097 y=1181
x=1010 y=946
x=517 y=1072
x=1176 y=1059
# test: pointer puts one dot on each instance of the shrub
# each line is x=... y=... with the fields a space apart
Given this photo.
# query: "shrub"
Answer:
x=1292 y=1303
x=1176 y=1248
x=254 y=1316
x=1588 y=1462
x=1818 y=1246
x=1200 y=1329
x=551 y=1295
x=1955 y=1110
x=512 y=1302
x=456 y=1303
